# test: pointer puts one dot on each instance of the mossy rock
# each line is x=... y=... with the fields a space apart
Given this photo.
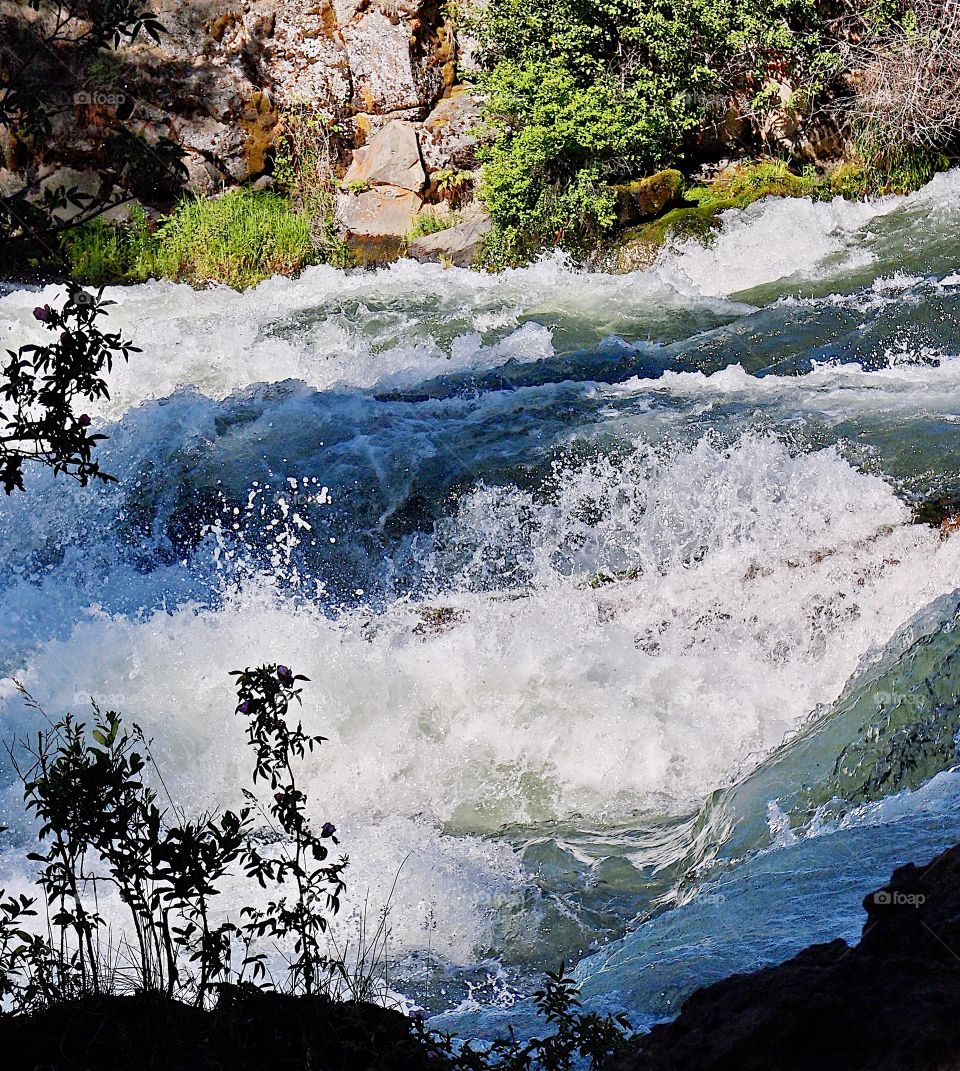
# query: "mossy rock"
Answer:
x=637 y=248
x=742 y=184
x=647 y=198
x=699 y=217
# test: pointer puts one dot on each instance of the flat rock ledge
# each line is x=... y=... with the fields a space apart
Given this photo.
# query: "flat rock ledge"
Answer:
x=889 y=1003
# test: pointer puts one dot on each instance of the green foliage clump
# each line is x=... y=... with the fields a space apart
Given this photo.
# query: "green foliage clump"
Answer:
x=101 y=253
x=432 y=223
x=238 y=239
x=580 y=94
x=742 y=184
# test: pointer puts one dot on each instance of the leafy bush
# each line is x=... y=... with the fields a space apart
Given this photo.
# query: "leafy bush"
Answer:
x=41 y=385
x=100 y=826
x=579 y=94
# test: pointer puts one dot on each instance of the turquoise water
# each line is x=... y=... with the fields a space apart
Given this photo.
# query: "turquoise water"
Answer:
x=626 y=646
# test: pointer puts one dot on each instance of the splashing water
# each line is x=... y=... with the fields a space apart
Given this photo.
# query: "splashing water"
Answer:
x=607 y=587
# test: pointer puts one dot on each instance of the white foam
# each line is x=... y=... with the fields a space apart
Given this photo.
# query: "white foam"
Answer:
x=748 y=557
x=331 y=328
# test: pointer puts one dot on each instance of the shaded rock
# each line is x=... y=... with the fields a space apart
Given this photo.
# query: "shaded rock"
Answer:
x=638 y=247
x=458 y=245
x=449 y=137
x=647 y=198
x=202 y=175
x=391 y=159
x=937 y=510
x=11 y=182
x=205 y=135
x=86 y=183
x=887 y=1004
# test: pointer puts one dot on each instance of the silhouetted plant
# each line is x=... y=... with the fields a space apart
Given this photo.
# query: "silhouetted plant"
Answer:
x=40 y=387
x=15 y=941
x=88 y=791
x=100 y=825
x=578 y=1037
x=265 y=695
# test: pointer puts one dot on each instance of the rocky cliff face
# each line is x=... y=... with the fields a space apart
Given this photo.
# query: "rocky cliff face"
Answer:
x=225 y=70
x=382 y=73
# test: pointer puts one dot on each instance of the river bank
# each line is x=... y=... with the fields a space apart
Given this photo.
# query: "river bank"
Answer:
x=356 y=132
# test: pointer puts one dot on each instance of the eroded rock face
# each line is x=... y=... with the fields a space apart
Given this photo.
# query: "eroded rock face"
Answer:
x=449 y=135
x=887 y=1004
x=225 y=70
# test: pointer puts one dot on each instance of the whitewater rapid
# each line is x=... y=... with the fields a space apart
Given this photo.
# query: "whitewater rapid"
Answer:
x=573 y=562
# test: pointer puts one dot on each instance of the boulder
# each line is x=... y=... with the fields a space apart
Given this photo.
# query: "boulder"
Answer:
x=391 y=159
x=458 y=245
x=86 y=183
x=449 y=137
x=647 y=198
x=376 y=222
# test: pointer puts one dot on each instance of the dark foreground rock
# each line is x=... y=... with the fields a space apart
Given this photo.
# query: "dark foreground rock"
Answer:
x=891 y=1003
x=248 y=1031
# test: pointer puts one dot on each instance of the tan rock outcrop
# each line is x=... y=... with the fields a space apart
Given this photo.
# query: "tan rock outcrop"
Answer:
x=392 y=158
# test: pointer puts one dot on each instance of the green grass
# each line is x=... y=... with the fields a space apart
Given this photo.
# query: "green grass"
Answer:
x=432 y=223
x=237 y=239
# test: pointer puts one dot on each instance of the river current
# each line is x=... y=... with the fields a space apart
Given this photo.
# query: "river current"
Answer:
x=625 y=642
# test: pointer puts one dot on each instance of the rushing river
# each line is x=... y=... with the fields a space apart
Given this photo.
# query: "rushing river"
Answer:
x=625 y=644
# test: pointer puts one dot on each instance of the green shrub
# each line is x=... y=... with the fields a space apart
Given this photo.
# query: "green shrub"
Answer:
x=238 y=239
x=432 y=223
x=580 y=94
